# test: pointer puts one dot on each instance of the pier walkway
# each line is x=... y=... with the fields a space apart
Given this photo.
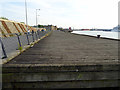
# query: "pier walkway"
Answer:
x=65 y=60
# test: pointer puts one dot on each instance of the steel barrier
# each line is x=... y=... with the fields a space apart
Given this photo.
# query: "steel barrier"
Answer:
x=18 y=41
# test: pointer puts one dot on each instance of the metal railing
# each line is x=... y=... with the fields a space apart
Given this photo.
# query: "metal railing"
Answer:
x=18 y=41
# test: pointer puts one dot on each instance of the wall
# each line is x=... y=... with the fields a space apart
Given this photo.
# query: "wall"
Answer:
x=8 y=28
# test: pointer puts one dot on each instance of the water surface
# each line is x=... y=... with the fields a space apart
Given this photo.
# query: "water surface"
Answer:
x=106 y=34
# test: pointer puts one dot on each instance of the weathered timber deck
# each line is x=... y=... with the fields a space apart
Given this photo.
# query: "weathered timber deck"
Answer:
x=66 y=48
x=64 y=60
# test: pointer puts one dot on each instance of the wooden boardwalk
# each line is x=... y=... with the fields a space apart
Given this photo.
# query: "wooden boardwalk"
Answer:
x=66 y=48
x=64 y=60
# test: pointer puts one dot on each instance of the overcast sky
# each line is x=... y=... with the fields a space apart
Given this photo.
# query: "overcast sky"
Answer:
x=64 y=13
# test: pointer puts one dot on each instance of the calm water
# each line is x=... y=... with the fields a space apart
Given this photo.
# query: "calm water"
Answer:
x=107 y=34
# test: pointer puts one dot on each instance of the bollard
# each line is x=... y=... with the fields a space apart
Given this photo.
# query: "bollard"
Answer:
x=98 y=36
x=3 y=49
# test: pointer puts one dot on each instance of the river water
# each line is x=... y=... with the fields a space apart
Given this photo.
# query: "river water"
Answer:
x=106 y=34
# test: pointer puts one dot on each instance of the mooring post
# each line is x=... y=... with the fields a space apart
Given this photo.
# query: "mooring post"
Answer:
x=98 y=36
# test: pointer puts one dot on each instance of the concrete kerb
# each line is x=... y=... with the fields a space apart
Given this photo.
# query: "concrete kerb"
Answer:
x=15 y=54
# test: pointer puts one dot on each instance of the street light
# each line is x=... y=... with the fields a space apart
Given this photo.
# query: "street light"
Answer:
x=26 y=22
x=36 y=17
x=26 y=13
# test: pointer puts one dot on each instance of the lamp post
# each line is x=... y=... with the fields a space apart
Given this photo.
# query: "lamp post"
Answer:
x=26 y=13
x=26 y=23
x=36 y=18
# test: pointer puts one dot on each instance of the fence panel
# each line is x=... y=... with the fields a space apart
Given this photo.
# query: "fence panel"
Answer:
x=18 y=41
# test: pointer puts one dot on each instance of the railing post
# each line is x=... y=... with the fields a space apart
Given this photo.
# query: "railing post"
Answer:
x=28 y=38
x=3 y=49
x=36 y=35
x=20 y=46
x=33 y=36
